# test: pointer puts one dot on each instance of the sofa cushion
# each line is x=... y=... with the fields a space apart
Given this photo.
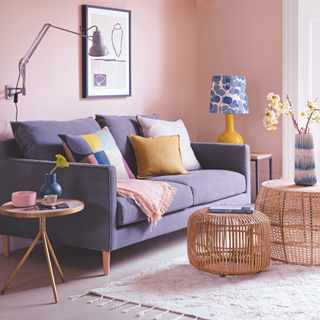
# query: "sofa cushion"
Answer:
x=158 y=156
x=156 y=127
x=96 y=148
x=39 y=139
x=209 y=185
x=128 y=212
x=121 y=127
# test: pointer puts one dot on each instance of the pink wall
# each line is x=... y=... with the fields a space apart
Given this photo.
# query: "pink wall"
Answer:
x=177 y=45
x=164 y=68
x=176 y=48
x=241 y=37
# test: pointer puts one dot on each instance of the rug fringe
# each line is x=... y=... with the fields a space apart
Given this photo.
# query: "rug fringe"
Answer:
x=131 y=309
x=95 y=300
x=158 y=316
x=178 y=318
x=105 y=303
x=77 y=296
x=119 y=305
x=141 y=313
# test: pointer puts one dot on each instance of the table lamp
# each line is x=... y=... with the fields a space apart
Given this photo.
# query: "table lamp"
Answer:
x=229 y=96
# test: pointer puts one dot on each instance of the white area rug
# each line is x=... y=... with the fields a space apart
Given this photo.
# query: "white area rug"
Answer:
x=281 y=291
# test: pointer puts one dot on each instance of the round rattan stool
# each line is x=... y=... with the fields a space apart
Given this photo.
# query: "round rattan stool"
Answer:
x=294 y=214
x=229 y=243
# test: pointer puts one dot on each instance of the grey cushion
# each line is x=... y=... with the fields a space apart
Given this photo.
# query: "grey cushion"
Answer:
x=39 y=139
x=128 y=212
x=121 y=127
x=157 y=127
x=209 y=185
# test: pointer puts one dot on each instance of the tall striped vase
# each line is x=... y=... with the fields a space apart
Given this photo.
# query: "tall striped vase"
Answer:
x=304 y=164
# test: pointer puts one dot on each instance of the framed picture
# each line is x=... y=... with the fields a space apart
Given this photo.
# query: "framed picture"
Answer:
x=110 y=75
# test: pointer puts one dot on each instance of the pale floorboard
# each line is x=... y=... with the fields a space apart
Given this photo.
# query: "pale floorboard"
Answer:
x=30 y=294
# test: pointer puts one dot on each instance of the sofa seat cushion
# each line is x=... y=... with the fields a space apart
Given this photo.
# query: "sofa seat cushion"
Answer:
x=39 y=139
x=209 y=185
x=128 y=212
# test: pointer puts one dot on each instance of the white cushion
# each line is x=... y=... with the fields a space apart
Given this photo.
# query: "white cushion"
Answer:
x=156 y=128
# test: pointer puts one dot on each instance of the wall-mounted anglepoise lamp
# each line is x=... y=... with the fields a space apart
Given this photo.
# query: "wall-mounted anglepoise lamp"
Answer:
x=98 y=49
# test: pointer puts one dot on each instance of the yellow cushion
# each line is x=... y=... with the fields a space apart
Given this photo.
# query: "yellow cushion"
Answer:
x=157 y=156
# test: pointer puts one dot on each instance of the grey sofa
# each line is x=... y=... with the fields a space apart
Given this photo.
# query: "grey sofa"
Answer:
x=109 y=222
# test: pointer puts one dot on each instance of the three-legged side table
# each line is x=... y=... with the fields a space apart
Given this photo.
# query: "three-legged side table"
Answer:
x=33 y=212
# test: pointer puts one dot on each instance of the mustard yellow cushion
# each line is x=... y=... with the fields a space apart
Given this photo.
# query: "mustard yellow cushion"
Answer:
x=157 y=156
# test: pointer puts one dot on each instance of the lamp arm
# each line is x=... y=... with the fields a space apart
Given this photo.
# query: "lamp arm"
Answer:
x=13 y=92
x=39 y=38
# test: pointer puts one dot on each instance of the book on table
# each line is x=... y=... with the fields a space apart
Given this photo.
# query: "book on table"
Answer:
x=231 y=208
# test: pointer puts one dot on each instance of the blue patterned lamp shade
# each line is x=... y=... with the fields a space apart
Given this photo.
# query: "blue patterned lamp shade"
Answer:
x=229 y=95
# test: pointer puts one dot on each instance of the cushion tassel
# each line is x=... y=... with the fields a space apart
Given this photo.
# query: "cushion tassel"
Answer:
x=78 y=296
x=158 y=316
x=131 y=309
x=141 y=313
x=119 y=305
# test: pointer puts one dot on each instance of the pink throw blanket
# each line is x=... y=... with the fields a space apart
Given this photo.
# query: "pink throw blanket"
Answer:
x=152 y=197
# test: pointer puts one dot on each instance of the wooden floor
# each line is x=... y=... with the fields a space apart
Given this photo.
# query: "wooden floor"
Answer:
x=30 y=295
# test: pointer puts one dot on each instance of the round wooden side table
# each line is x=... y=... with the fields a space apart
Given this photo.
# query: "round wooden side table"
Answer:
x=33 y=212
x=229 y=243
x=294 y=213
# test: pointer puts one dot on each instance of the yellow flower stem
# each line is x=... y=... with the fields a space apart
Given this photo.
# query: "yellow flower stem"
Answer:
x=53 y=169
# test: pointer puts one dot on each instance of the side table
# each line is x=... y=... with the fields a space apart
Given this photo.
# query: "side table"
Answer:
x=32 y=212
x=257 y=157
x=229 y=243
x=294 y=213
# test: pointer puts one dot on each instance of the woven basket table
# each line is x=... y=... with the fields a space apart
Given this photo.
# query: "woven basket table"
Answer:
x=229 y=243
x=294 y=213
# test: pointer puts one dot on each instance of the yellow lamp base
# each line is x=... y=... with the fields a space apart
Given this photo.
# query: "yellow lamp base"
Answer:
x=230 y=136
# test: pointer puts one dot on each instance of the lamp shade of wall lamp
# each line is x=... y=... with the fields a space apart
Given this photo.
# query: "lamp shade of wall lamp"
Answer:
x=229 y=96
x=98 y=49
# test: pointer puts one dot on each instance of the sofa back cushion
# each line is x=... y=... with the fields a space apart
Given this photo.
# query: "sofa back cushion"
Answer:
x=39 y=139
x=121 y=127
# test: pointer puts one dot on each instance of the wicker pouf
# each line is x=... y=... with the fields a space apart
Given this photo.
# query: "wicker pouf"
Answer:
x=294 y=214
x=227 y=243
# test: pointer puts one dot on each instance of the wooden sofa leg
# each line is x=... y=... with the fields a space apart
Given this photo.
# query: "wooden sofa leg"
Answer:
x=106 y=262
x=6 y=247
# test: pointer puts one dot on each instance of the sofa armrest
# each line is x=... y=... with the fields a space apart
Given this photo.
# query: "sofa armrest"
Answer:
x=233 y=157
x=94 y=185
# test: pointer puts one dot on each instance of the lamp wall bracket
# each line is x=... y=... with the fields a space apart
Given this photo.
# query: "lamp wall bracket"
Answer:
x=11 y=90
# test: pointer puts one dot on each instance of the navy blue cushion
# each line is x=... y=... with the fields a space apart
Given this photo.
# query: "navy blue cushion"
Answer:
x=39 y=139
x=128 y=212
x=209 y=185
x=121 y=127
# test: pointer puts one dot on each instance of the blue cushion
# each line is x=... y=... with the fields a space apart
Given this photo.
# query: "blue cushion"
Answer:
x=39 y=139
x=121 y=127
x=209 y=185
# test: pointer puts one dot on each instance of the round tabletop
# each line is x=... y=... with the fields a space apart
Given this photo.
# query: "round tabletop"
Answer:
x=33 y=212
x=288 y=185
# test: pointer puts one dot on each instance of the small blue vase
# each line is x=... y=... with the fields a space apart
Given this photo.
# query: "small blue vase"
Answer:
x=304 y=164
x=51 y=186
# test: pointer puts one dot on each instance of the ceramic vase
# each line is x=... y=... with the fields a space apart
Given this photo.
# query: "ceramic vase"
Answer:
x=51 y=186
x=304 y=164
